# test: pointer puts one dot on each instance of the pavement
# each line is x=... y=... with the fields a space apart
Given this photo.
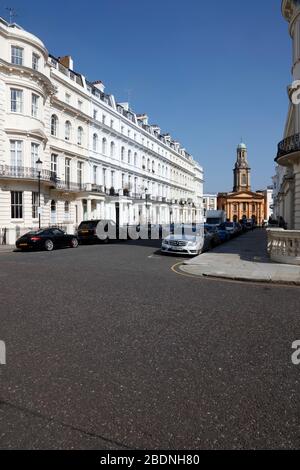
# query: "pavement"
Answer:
x=7 y=248
x=245 y=259
x=108 y=348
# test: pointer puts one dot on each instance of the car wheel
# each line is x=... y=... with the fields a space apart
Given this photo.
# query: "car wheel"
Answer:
x=49 y=245
x=74 y=243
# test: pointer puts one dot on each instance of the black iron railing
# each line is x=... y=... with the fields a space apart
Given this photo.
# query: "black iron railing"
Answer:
x=289 y=145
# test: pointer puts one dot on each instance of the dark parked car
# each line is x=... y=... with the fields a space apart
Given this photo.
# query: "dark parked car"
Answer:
x=223 y=234
x=215 y=238
x=46 y=239
x=87 y=230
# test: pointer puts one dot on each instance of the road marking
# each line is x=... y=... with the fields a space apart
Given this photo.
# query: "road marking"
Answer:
x=181 y=273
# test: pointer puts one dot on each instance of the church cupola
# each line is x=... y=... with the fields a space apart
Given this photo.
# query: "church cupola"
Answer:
x=241 y=170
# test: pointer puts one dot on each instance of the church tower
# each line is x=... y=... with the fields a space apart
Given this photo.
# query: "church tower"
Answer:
x=241 y=181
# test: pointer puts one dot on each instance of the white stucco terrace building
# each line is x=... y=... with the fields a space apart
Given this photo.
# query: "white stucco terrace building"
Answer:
x=284 y=245
x=100 y=159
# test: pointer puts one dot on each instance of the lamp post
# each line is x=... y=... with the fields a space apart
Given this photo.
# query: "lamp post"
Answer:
x=147 y=207
x=39 y=165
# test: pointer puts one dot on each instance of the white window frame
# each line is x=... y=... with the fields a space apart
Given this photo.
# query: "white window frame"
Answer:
x=35 y=152
x=16 y=100
x=17 y=55
x=16 y=153
x=35 y=61
x=68 y=127
x=16 y=201
x=35 y=204
x=53 y=163
x=79 y=135
x=34 y=105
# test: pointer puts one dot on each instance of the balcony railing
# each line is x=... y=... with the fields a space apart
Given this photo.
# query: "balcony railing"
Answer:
x=96 y=188
x=70 y=186
x=289 y=145
x=22 y=172
x=284 y=246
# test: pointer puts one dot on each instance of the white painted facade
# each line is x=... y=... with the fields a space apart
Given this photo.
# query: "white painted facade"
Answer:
x=286 y=181
x=210 y=202
x=100 y=159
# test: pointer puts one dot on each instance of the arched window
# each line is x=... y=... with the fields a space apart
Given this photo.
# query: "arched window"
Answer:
x=112 y=149
x=104 y=145
x=129 y=156
x=68 y=130
x=67 y=210
x=148 y=164
x=95 y=142
x=244 y=180
x=122 y=153
x=54 y=125
x=144 y=163
x=79 y=135
x=135 y=159
x=153 y=166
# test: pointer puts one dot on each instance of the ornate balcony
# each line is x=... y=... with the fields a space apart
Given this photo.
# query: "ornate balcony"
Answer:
x=24 y=173
x=288 y=150
x=284 y=246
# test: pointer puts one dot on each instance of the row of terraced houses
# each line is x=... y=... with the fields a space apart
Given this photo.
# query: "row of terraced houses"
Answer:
x=99 y=158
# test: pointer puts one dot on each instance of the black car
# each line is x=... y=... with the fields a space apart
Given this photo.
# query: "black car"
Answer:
x=87 y=231
x=46 y=239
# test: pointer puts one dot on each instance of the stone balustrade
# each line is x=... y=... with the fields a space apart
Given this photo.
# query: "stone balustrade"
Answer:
x=284 y=246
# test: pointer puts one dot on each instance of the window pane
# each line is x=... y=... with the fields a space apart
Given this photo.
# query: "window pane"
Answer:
x=34 y=154
x=16 y=205
x=35 y=203
x=35 y=106
x=16 y=100
x=16 y=55
x=35 y=61
x=16 y=157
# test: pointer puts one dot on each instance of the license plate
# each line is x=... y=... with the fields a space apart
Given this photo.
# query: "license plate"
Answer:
x=23 y=244
x=84 y=231
x=177 y=249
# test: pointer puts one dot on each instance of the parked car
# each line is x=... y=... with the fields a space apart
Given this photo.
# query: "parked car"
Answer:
x=46 y=239
x=223 y=234
x=182 y=244
x=188 y=244
x=231 y=227
x=215 y=237
x=87 y=231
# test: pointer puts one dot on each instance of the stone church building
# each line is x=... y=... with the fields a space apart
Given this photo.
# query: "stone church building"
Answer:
x=242 y=203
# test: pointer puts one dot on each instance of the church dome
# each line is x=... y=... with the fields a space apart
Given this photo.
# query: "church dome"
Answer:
x=242 y=146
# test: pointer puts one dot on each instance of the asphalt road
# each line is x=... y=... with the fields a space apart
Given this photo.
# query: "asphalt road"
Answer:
x=107 y=348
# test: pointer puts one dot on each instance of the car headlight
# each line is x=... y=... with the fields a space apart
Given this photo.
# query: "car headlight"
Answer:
x=192 y=244
x=166 y=242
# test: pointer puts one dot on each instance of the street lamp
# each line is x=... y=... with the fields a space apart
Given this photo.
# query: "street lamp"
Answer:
x=39 y=166
x=147 y=208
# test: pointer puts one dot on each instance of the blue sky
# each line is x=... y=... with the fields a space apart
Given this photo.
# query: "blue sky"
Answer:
x=208 y=72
